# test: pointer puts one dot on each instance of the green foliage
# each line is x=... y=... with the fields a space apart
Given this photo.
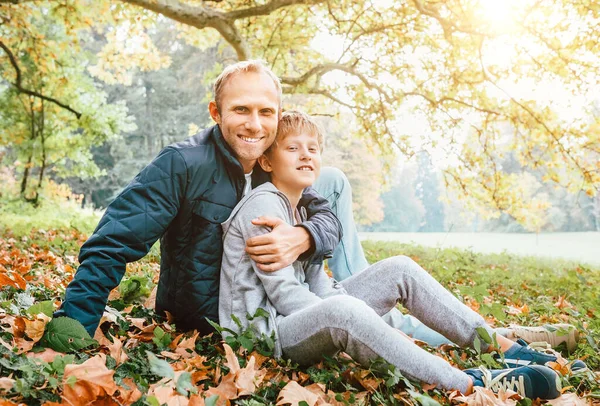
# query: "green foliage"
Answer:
x=64 y=334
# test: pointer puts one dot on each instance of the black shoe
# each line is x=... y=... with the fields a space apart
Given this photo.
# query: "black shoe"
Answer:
x=535 y=381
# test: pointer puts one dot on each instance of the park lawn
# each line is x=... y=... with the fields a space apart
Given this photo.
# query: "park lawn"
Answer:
x=140 y=359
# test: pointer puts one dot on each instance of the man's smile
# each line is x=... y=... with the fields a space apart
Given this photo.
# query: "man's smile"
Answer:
x=250 y=140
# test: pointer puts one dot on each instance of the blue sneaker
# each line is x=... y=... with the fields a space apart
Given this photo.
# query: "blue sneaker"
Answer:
x=520 y=354
x=533 y=382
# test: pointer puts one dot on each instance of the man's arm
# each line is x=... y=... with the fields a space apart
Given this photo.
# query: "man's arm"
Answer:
x=314 y=239
x=130 y=226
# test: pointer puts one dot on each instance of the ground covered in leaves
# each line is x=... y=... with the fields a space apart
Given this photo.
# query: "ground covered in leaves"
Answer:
x=139 y=358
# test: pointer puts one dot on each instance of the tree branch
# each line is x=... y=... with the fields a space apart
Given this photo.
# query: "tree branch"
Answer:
x=199 y=17
x=267 y=8
x=19 y=86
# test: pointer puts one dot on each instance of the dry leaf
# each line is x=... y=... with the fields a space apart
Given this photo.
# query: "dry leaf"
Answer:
x=35 y=328
x=94 y=380
x=292 y=394
x=226 y=389
x=129 y=392
x=116 y=351
x=151 y=301
x=568 y=399
x=47 y=355
x=232 y=362
x=248 y=378
x=485 y=397
x=6 y=384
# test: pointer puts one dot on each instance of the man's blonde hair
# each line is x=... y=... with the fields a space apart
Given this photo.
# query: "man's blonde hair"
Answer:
x=253 y=65
x=296 y=122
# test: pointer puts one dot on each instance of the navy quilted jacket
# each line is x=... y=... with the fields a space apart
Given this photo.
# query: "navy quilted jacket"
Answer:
x=182 y=197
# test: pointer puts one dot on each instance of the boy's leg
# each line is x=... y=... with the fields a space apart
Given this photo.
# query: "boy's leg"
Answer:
x=349 y=258
x=400 y=279
x=344 y=323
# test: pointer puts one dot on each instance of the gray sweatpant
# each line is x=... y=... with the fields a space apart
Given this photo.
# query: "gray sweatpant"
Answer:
x=352 y=323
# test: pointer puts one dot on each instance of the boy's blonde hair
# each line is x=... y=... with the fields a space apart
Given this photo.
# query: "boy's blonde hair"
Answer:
x=253 y=65
x=295 y=122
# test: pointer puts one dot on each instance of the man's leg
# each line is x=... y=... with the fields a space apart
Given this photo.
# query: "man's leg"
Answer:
x=344 y=323
x=349 y=258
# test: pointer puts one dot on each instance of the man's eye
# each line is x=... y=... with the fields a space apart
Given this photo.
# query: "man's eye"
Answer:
x=241 y=109
x=267 y=112
x=312 y=149
x=292 y=148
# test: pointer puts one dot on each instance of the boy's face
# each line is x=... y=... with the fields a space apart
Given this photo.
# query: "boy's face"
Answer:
x=294 y=162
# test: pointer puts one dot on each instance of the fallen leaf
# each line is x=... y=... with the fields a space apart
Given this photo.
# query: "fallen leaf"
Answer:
x=93 y=380
x=485 y=397
x=292 y=394
x=129 y=392
x=35 y=328
x=6 y=384
x=116 y=351
x=47 y=355
x=568 y=399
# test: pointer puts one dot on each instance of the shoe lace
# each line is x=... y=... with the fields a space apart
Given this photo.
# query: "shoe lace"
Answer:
x=501 y=383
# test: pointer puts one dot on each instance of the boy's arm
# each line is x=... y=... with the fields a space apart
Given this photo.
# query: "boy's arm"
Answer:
x=285 y=292
x=126 y=232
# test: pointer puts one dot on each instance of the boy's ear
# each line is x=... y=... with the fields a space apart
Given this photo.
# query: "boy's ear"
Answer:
x=214 y=112
x=264 y=163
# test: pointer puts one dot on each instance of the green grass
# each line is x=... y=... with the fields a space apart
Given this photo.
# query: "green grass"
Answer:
x=497 y=281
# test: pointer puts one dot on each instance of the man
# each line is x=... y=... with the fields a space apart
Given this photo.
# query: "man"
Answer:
x=183 y=196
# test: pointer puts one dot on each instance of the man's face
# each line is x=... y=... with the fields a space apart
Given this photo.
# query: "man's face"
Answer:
x=294 y=162
x=249 y=112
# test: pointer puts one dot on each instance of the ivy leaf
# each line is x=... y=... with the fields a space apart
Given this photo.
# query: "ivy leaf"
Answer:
x=184 y=384
x=160 y=367
x=65 y=334
x=46 y=307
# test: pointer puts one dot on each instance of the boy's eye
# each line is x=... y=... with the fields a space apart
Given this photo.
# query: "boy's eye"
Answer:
x=292 y=148
x=312 y=149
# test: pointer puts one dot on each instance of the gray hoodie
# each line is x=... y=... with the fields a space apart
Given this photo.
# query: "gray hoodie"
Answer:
x=244 y=288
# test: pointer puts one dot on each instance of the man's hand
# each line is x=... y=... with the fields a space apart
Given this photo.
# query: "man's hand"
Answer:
x=279 y=248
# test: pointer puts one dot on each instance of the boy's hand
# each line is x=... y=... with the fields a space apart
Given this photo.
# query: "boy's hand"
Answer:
x=279 y=248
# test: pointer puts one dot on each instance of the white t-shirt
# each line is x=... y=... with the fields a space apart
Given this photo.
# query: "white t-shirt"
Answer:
x=248 y=186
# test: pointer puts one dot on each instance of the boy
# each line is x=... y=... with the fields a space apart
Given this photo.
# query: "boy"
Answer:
x=312 y=315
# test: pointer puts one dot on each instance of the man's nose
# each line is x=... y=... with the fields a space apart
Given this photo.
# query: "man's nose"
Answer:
x=253 y=123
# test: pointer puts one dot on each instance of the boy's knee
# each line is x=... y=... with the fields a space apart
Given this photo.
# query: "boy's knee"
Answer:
x=345 y=311
x=403 y=264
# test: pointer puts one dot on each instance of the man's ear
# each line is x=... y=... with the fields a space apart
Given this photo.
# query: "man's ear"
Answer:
x=264 y=163
x=214 y=112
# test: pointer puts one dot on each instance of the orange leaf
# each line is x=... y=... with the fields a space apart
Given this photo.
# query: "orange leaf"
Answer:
x=94 y=380
x=47 y=355
x=293 y=394
x=6 y=281
x=35 y=329
x=129 y=392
